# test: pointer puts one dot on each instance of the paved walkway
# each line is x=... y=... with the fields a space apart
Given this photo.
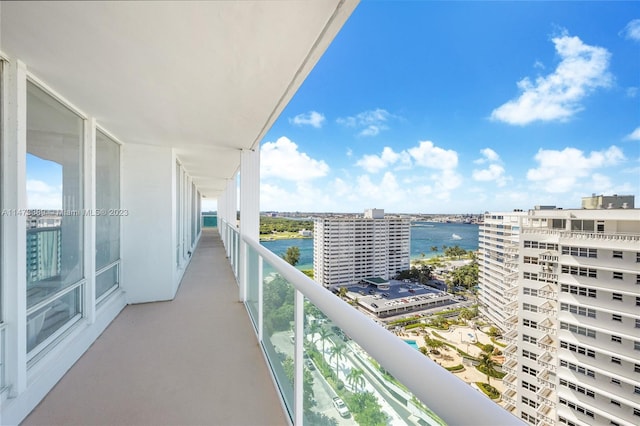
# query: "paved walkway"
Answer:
x=192 y=361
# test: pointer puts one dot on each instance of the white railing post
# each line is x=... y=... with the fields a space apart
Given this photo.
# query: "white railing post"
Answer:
x=298 y=364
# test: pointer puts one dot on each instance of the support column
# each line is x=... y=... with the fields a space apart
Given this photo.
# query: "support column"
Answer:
x=14 y=202
x=249 y=209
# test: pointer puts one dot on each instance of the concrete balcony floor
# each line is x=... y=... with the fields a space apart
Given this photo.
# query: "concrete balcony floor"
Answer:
x=191 y=361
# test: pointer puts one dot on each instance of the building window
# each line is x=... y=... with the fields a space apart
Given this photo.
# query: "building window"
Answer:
x=580 y=251
x=617 y=275
x=638 y=257
x=580 y=271
x=529 y=386
x=636 y=390
x=529 y=354
x=638 y=279
x=530 y=402
x=636 y=346
x=615 y=381
x=529 y=339
x=637 y=301
x=577 y=407
x=637 y=322
x=578 y=290
x=531 y=371
x=617 y=296
x=636 y=412
x=108 y=225
x=577 y=388
x=55 y=237
x=636 y=368
x=616 y=360
x=616 y=403
x=529 y=418
x=567 y=422
x=616 y=339
x=578 y=329
x=578 y=310
x=578 y=349
x=616 y=317
x=617 y=254
x=529 y=323
x=577 y=368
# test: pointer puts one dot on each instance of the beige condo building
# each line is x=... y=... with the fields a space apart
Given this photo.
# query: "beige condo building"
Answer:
x=571 y=313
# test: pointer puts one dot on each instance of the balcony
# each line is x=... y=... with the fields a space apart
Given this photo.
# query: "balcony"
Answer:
x=189 y=361
x=194 y=360
x=545 y=396
x=547 y=343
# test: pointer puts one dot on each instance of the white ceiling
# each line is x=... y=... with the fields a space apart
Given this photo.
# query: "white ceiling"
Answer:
x=206 y=77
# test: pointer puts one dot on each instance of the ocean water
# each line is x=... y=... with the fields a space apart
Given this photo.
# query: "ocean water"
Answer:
x=424 y=235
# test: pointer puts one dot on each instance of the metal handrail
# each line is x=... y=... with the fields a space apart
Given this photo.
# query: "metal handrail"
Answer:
x=429 y=382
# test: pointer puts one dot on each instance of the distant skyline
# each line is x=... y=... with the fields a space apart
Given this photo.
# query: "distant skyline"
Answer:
x=463 y=107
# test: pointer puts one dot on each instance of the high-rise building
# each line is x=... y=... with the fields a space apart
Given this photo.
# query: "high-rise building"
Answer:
x=498 y=272
x=347 y=249
x=573 y=318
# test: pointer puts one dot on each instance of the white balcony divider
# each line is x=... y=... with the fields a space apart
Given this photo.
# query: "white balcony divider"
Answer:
x=450 y=398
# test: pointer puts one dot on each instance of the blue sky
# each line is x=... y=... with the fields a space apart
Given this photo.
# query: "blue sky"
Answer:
x=463 y=107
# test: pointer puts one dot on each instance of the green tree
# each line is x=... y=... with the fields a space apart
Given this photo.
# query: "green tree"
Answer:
x=307 y=382
x=434 y=248
x=292 y=256
x=355 y=378
x=337 y=352
x=366 y=409
x=343 y=292
x=487 y=364
x=324 y=336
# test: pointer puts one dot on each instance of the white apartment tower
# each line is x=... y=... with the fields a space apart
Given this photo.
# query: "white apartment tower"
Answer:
x=347 y=249
x=498 y=273
x=574 y=349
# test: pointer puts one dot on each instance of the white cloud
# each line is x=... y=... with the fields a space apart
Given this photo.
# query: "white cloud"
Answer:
x=373 y=163
x=426 y=154
x=41 y=195
x=632 y=30
x=370 y=123
x=488 y=155
x=312 y=118
x=557 y=96
x=632 y=92
x=562 y=171
x=494 y=172
x=634 y=136
x=281 y=159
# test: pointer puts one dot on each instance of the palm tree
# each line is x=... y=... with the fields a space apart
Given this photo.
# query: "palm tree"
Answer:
x=434 y=248
x=337 y=352
x=324 y=335
x=488 y=364
x=342 y=292
x=312 y=330
x=355 y=378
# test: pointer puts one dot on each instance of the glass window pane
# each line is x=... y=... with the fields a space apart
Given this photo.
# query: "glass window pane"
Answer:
x=107 y=279
x=50 y=318
x=54 y=196
x=107 y=208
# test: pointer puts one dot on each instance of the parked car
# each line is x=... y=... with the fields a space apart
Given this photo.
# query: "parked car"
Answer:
x=340 y=406
x=310 y=365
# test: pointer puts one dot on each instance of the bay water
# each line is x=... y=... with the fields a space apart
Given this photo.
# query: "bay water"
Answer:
x=424 y=237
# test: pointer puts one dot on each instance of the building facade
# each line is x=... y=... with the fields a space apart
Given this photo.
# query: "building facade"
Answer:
x=573 y=320
x=347 y=249
x=498 y=265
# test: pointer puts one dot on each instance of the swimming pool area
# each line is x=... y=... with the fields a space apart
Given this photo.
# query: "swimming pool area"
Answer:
x=413 y=344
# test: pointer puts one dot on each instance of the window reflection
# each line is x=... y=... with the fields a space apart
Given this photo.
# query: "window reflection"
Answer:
x=55 y=218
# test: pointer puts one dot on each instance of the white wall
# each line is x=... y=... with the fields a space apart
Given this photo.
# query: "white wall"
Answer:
x=148 y=252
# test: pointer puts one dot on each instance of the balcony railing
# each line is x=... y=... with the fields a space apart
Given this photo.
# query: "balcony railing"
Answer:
x=584 y=235
x=320 y=348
